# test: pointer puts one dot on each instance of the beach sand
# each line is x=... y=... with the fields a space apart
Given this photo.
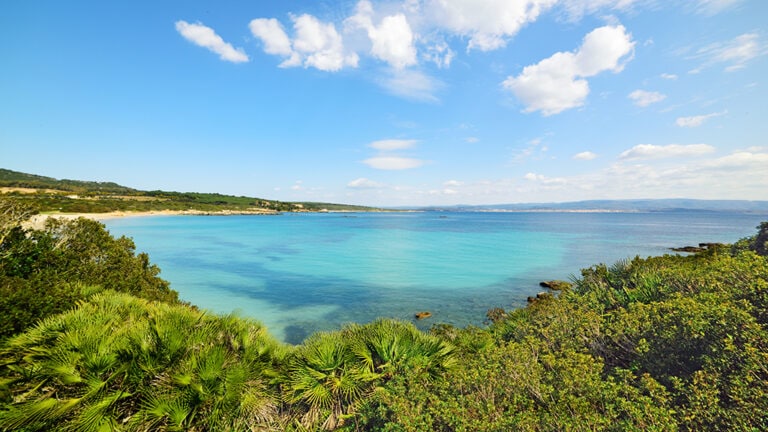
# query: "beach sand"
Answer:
x=38 y=221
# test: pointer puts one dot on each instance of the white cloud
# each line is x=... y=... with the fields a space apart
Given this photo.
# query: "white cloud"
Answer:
x=696 y=121
x=557 y=83
x=272 y=34
x=364 y=183
x=586 y=155
x=392 y=40
x=411 y=84
x=487 y=23
x=315 y=43
x=740 y=159
x=738 y=175
x=472 y=140
x=734 y=54
x=440 y=54
x=207 y=38
x=392 y=144
x=533 y=150
x=712 y=7
x=320 y=44
x=644 y=98
x=576 y=9
x=385 y=162
x=547 y=182
x=651 y=151
x=668 y=76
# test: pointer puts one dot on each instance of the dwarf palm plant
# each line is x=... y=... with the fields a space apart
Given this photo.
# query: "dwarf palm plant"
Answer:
x=325 y=381
x=389 y=346
x=332 y=374
x=122 y=363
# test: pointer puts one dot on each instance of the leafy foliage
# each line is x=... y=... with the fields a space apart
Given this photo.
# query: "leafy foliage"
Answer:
x=156 y=367
x=332 y=374
x=44 y=272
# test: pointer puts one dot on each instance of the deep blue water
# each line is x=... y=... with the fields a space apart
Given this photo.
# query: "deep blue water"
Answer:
x=300 y=273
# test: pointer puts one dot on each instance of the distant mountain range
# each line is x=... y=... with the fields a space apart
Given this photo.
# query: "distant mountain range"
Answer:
x=630 y=205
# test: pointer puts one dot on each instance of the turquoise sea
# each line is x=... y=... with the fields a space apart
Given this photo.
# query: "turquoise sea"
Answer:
x=300 y=273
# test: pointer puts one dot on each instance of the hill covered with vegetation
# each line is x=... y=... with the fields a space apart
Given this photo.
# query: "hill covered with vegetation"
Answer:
x=663 y=343
x=47 y=194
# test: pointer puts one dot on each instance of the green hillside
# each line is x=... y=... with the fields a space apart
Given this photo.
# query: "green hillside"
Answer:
x=48 y=194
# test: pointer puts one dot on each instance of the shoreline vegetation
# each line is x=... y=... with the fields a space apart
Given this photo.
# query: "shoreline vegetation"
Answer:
x=92 y=339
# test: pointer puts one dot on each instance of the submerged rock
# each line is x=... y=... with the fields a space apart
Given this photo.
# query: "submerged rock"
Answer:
x=540 y=296
x=695 y=249
x=556 y=285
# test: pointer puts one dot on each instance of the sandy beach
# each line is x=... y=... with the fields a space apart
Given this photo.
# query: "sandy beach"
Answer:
x=38 y=221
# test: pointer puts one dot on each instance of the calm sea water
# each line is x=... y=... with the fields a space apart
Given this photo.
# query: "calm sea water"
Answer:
x=300 y=273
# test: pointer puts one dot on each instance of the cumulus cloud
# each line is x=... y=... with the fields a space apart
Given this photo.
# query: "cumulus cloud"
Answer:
x=387 y=162
x=487 y=23
x=392 y=144
x=315 y=43
x=696 y=121
x=644 y=98
x=558 y=83
x=734 y=54
x=205 y=37
x=392 y=39
x=651 y=151
x=587 y=155
x=272 y=34
x=364 y=183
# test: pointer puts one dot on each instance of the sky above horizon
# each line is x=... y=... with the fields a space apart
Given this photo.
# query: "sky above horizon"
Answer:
x=392 y=103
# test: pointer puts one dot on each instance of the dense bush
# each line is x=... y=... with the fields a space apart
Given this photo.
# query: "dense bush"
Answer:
x=43 y=272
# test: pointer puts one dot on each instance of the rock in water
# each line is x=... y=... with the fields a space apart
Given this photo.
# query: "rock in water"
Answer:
x=556 y=285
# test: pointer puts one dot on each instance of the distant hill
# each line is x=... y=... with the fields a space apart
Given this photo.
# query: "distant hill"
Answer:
x=636 y=205
x=47 y=194
x=10 y=178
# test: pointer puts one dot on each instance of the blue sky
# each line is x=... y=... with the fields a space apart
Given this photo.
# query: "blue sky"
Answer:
x=409 y=102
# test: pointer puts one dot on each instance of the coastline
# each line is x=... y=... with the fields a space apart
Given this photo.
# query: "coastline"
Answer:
x=38 y=221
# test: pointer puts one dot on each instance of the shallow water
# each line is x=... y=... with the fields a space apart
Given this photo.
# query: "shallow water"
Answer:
x=300 y=273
